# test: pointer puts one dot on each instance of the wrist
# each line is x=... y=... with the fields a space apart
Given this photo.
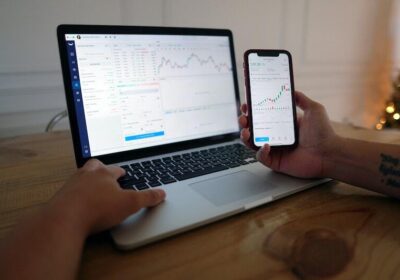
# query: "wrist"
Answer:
x=67 y=217
x=330 y=154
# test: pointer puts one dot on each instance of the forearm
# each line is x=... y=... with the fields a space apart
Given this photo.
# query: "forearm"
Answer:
x=46 y=245
x=374 y=166
x=49 y=245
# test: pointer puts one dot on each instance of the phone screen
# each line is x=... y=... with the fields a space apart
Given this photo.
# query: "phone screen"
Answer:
x=271 y=99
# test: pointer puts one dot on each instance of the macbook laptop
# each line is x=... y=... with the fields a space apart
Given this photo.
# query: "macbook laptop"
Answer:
x=163 y=104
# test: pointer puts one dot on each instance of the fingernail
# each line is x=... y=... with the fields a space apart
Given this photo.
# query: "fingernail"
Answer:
x=161 y=193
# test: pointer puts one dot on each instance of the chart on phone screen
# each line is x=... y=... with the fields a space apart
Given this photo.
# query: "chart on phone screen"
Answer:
x=271 y=99
x=142 y=90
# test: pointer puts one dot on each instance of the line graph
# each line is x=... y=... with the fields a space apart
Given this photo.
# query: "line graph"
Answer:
x=190 y=62
x=283 y=89
x=270 y=108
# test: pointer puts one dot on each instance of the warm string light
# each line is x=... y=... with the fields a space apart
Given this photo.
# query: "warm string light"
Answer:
x=379 y=125
x=391 y=114
x=392 y=111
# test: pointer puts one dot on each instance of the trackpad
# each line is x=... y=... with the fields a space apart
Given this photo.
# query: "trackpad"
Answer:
x=231 y=188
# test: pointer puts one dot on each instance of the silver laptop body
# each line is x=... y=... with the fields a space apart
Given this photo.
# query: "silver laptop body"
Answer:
x=202 y=200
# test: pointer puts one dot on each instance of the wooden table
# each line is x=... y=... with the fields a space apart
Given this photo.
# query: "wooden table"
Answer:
x=332 y=230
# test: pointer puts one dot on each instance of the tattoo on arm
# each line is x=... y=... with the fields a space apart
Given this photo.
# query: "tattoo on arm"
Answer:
x=390 y=170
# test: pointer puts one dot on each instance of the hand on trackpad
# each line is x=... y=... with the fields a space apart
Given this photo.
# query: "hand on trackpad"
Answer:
x=231 y=188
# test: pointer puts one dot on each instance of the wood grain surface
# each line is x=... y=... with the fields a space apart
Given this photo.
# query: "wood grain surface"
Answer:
x=333 y=231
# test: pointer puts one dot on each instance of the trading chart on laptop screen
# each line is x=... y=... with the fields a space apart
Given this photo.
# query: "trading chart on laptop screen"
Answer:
x=136 y=91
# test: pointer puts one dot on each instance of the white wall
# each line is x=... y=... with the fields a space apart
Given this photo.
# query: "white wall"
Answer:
x=342 y=51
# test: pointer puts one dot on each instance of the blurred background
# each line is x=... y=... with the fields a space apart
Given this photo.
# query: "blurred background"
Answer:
x=346 y=53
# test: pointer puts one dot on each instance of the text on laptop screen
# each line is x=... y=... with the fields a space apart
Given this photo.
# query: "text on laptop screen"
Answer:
x=136 y=91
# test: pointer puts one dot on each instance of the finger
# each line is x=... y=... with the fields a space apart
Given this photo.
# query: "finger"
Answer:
x=303 y=101
x=147 y=198
x=243 y=108
x=243 y=121
x=92 y=164
x=245 y=135
x=116 y=171
x=264 y=156
x=299 y=119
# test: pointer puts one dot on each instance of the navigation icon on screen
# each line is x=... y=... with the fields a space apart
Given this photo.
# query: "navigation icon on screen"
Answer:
x=75 y=85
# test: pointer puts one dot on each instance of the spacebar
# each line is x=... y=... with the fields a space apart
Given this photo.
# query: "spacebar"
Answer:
x=200 y=173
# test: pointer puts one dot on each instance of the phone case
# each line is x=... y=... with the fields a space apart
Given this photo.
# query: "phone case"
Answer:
x=268 y=52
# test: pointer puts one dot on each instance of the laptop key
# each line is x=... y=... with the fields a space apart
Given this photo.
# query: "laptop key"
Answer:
x=141 y=186
x=165 y=177
x=154 y=184
x=126 y=186
x=136 y=181
x=126 y=167
x=136 y=164
x=167 y=181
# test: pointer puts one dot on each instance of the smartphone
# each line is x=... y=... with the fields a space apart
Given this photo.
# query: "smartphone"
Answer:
x=270 y=98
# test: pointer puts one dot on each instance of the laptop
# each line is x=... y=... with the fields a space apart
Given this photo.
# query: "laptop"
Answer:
x=163 y=104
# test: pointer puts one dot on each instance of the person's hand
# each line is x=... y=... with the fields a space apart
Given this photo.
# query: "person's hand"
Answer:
x=94 y=201
x=90 y=201
x=316 y=140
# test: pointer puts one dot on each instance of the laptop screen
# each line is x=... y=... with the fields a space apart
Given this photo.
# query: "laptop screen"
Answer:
x=136 y=91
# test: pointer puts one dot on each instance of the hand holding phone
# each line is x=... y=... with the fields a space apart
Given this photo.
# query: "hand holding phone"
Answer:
x=270 y=98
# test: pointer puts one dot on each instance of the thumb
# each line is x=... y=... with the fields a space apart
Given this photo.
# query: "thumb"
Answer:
x=303 y=101
x=148 y=198
x=269 y=158
x=263 y=155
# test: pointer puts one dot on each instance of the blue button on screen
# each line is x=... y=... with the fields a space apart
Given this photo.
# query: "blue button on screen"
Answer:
x=262 y=139
x=143 y=136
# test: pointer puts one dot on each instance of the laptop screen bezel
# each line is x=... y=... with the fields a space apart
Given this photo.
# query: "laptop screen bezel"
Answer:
x=62 y=30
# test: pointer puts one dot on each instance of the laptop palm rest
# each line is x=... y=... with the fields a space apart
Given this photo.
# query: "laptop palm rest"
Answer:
x=230 y=188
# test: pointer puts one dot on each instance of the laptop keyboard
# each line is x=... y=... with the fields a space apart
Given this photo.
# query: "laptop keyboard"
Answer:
x=166 y=170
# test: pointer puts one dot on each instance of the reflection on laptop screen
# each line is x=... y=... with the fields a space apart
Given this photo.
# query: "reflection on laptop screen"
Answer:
x=136 y=91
